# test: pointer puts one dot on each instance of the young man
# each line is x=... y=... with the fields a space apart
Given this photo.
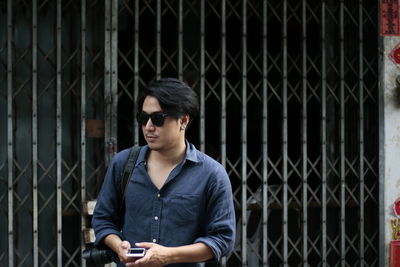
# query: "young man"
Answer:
x=178 y=203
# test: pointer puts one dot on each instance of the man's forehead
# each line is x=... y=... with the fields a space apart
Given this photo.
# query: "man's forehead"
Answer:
x=150 y=102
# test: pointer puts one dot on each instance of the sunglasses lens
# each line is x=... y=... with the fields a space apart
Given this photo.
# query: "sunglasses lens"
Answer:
x=142 y=118
x=157 y=118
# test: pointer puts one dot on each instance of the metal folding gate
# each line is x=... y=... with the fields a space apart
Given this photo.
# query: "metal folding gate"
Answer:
x=289 y=105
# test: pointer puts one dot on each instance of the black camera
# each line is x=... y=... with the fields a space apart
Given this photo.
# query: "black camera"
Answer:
x=98 y=257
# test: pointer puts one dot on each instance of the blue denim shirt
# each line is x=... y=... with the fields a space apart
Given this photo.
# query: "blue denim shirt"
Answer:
x=194 y=205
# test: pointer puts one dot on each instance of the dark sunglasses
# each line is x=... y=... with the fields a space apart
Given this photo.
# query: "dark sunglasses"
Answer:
x=157 y=118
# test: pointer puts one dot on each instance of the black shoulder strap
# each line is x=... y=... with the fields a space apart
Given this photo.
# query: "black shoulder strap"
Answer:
x=129 y=166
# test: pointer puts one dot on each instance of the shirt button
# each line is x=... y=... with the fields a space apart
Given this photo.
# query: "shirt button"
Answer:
x=156 y=218
x=154 y=240
x=158 y=195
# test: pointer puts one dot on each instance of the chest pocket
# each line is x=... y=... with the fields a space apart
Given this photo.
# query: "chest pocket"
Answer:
x=183 y=209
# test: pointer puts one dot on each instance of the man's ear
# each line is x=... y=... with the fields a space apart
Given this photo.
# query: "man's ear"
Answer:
x=185 y=120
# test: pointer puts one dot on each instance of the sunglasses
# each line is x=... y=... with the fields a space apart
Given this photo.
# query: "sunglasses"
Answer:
x=157 y=118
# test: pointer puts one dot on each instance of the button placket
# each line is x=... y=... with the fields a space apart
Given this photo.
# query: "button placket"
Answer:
x=155 y=228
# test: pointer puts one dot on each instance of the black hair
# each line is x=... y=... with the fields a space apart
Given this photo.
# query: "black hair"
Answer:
x=176 y=98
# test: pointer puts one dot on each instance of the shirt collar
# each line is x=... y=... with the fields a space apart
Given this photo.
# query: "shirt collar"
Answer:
x=191 y=152
x=142 y=155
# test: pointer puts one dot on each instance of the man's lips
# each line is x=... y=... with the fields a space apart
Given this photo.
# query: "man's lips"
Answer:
x=151 y=137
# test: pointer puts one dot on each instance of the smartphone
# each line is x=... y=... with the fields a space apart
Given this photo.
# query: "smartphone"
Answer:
x=136 y=252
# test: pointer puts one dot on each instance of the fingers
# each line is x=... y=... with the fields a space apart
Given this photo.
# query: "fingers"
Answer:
x=125 y=245
x=144 y=245
x=151 y=256
x=141 y=261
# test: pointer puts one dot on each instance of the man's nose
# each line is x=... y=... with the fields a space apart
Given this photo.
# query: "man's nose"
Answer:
x=149 y=124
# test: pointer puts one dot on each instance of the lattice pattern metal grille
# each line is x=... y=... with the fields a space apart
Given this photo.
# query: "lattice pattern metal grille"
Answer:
x=308 y=147
x=44 y=104
x=289 y=104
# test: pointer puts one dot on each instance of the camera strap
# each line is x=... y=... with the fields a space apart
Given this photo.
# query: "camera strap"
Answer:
x=128 y=170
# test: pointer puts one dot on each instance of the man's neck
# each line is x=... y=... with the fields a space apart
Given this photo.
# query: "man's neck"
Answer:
x=171 y=156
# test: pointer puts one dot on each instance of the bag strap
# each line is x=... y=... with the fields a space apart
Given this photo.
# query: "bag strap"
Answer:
x=128 y=170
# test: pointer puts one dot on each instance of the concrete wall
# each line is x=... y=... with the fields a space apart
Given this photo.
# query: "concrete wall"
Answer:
x=390 y=140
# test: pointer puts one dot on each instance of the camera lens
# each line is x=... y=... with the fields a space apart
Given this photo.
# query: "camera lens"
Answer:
x=97 y=257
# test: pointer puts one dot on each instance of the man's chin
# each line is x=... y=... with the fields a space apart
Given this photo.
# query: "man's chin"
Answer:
x=154 y=146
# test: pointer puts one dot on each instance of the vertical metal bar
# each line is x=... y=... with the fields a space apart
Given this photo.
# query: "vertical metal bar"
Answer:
x=323 y=135
x=59 y=136
x=34 y=137
x=223 y=83
x=265 y=136
x=136 y=70
x=109 y=148
x=284 y=136
x=304 y=136
x=114 y=75
x=158 y=36
x=342 y=145
x=244 y=133
x=83 y=121
x=361 y=128
x=180 y=40
x=223 y=91
x=10 y=127
x=202 y=76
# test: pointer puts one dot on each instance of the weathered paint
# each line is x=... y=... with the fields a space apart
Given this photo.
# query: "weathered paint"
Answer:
x=390 y=177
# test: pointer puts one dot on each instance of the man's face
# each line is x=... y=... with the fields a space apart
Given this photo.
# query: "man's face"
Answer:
x=160 y=137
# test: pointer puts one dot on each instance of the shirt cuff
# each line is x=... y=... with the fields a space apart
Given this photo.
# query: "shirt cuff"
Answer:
x=101 y=235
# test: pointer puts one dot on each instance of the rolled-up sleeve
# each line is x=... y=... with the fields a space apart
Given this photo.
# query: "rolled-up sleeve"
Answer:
x=221 y=225
x=106 y=218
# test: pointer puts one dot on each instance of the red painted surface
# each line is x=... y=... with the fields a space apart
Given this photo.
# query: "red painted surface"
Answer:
x=395 y=253
x=394 y=55
x=390 y=17
x=396 y=204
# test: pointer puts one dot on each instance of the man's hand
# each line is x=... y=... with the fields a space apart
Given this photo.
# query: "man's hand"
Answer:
x=156 y=255
x=122 y=249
